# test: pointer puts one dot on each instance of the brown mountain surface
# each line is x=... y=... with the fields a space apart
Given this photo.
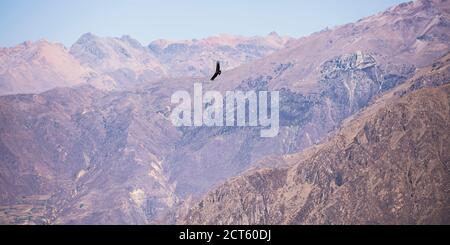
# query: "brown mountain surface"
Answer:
x=323 y=79
x=390 y=164
x=410 y=34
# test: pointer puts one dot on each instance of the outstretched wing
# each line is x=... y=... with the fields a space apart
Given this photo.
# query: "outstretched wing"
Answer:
x=218 y=67
x=215 y=76
x=218 y=71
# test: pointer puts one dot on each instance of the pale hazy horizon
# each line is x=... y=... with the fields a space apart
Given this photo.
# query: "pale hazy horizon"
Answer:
x=65 y=21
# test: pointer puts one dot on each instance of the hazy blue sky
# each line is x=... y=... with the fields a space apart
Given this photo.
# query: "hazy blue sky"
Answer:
x=65 y=20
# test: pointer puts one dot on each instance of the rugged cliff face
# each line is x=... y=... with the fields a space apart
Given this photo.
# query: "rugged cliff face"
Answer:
x=393 y=37
x=347 y=84
x=323 y=78
x=390 y=164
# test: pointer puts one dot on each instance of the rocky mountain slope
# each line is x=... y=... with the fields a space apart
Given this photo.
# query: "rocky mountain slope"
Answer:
x=37 y=67
x=390 y=164
x=196 y=58
x=97 y=157
x=323 y=79
x=124 y=59
x=411 y=34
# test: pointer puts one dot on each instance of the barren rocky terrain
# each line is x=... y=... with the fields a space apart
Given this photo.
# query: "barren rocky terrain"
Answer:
x=387 y=165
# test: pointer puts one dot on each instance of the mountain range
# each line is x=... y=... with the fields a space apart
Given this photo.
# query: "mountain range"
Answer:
x=119 y=63
x=85 y=135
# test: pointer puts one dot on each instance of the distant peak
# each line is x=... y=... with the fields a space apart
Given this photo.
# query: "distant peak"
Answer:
x=418 y=4
x=28 y=43
x=274 y=33
x=42 y=41
x=133 y=42
x=86 y=37
x=126 y=37
x=39 y=43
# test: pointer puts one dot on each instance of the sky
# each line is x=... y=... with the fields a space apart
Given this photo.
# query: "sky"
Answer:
x=147 y=20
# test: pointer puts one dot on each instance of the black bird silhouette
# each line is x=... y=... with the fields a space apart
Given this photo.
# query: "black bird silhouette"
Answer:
x=218 y=72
